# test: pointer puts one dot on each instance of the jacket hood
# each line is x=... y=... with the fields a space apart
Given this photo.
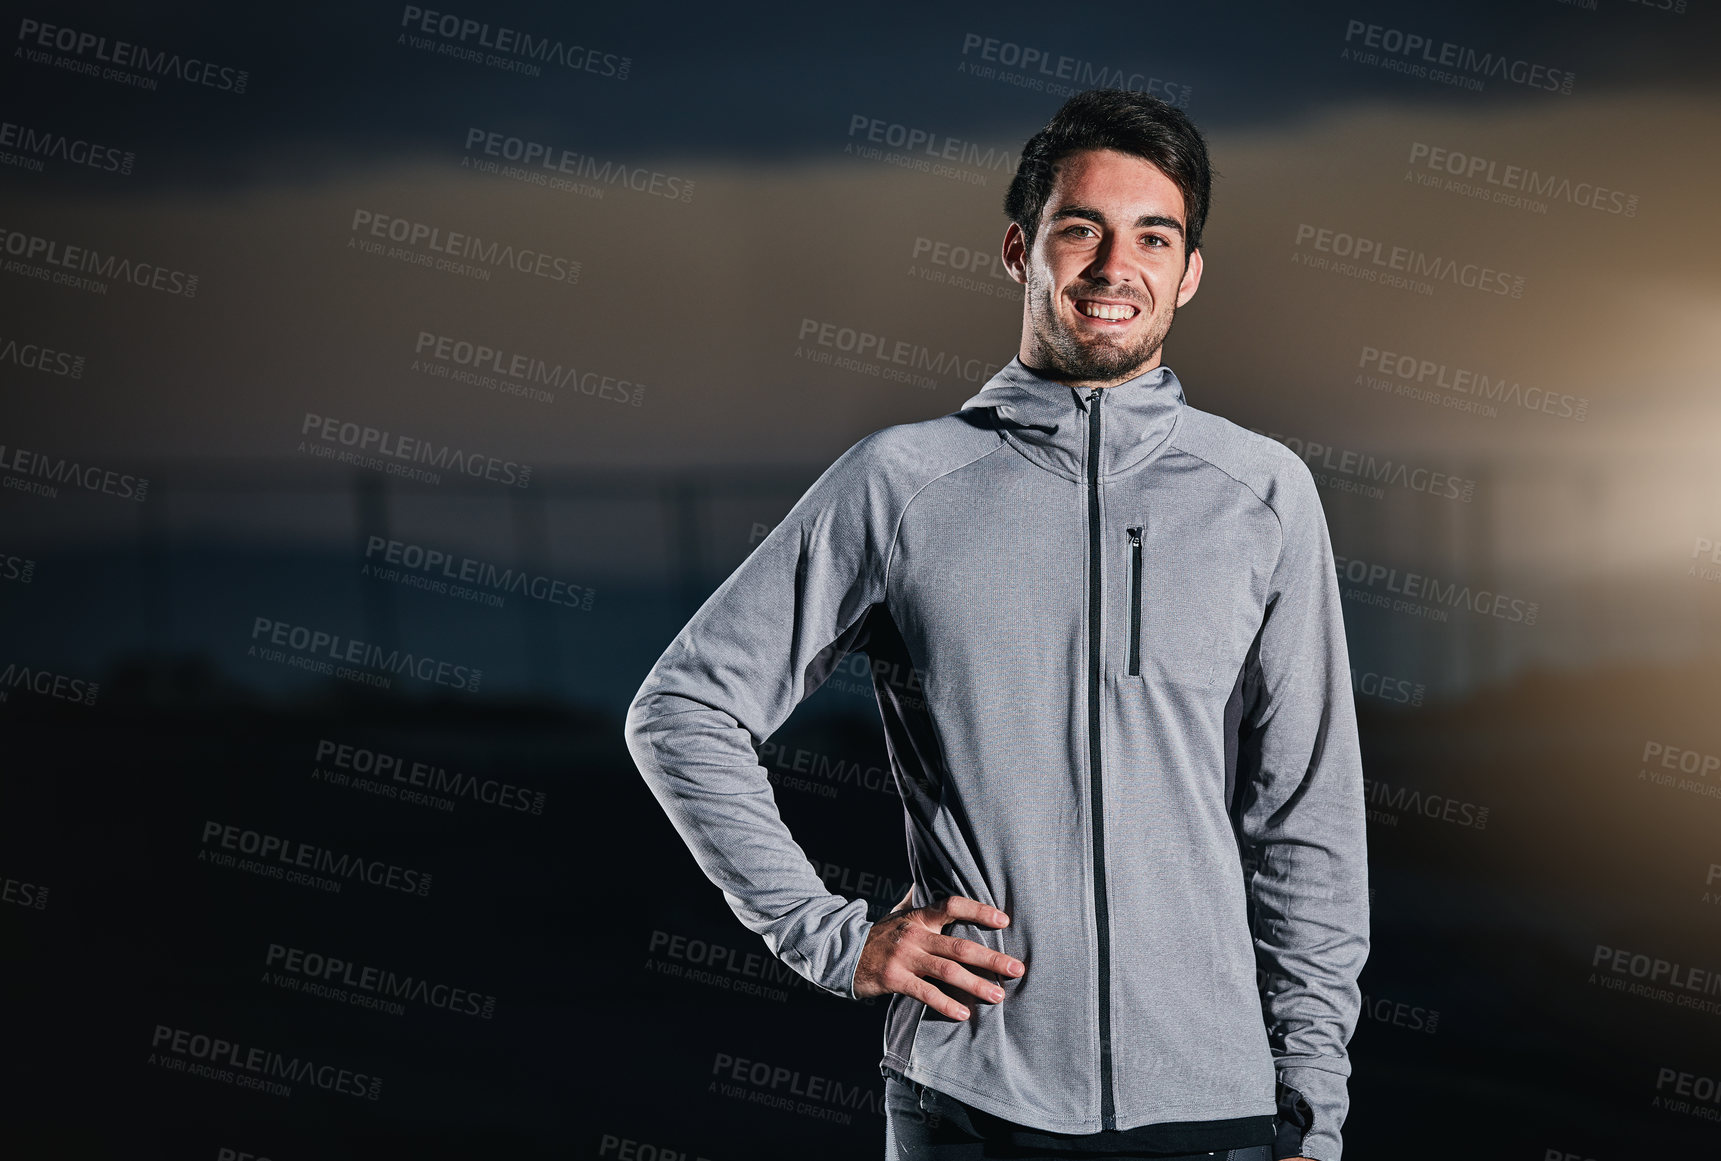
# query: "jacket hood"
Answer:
x=1048 y=420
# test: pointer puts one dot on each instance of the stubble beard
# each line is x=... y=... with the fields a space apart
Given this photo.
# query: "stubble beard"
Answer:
x=1099 y=358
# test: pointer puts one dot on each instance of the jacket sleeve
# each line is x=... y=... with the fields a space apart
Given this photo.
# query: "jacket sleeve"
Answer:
x=1301 y=825
x=766 y=639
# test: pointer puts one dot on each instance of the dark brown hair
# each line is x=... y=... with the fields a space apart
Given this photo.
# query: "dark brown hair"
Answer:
x=1129 y=122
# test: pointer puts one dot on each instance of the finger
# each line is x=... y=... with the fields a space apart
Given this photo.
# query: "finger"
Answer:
x=933 y=998
x=954 y=974
x=907 y=900
x=959 y=907
x=969 y=952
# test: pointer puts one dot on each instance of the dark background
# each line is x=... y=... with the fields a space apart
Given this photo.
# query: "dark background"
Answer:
x=1528 y=811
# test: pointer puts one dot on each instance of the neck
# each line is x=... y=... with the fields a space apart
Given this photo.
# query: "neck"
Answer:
x=1037 y=362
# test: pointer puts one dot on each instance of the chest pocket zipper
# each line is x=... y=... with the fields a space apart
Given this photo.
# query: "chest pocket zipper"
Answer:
x=1134 y=601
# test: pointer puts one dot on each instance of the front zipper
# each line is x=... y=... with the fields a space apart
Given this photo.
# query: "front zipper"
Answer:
x=1108 y=1107
x=1134 y=602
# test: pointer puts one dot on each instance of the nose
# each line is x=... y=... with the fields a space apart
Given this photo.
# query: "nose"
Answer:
x=1108 y=265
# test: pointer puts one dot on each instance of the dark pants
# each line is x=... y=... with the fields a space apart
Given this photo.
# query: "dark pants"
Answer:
x=921 y=1124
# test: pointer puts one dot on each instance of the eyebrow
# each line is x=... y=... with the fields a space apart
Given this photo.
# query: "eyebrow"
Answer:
x=1092 y=214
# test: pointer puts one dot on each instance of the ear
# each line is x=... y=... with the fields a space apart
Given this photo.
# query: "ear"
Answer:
x=1191 y=278
x=1016 y=253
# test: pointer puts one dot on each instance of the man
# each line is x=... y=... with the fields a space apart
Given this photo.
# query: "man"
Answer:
x=1111 y=666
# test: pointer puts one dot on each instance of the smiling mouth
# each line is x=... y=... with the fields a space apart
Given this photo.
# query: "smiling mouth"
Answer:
x=1106 y=311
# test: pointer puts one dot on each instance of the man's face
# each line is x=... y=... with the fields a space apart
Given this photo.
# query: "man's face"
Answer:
x=1106 y=272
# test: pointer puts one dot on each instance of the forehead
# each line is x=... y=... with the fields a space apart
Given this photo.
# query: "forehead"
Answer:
x=1118 y=182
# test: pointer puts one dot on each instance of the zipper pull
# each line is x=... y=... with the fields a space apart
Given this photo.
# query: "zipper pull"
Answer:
x=1135 y=538
x=1093 y=396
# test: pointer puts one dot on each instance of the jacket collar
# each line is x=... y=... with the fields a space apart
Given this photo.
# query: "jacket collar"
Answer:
x=1049 y=420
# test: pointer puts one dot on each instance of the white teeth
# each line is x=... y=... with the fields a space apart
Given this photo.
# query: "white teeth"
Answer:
x=1098 y=310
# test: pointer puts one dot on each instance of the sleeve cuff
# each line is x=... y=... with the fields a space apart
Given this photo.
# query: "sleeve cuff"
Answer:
x=1312 y=1107
x=850 y=962
x=828 y=951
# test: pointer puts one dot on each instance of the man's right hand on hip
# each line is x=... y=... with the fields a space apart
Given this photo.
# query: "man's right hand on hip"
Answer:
x=907 y=949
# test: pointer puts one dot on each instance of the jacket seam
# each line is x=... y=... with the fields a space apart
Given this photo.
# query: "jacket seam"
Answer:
x=884 y=581
x=884 y=596
x=1279 y=520
x=1021 y=449
x=1241 y=483
x=896 y=532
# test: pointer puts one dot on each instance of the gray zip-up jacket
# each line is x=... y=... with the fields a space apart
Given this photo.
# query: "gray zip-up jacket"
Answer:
x=1109 y=655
